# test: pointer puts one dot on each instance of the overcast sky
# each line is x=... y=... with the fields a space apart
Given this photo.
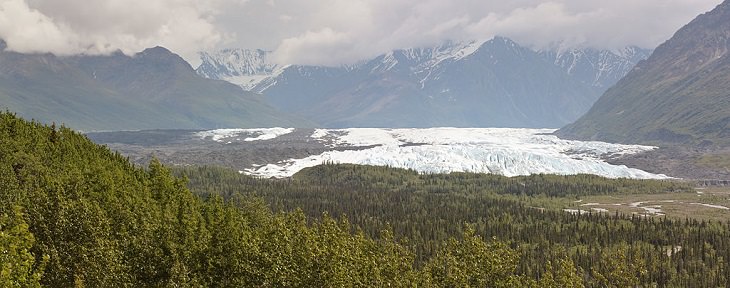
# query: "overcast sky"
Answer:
x=332 y=32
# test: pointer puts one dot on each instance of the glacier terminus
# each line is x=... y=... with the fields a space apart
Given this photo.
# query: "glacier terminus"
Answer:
x=504 y=151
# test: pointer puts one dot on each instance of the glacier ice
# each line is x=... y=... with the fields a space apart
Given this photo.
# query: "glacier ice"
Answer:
x=504 y=151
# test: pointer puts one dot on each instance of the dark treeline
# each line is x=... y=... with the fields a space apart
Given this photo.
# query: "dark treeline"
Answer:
x=424 y=211
x=74 y=214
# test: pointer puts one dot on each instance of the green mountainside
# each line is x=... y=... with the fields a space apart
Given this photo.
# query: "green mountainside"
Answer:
x=681 y=94
x=154 y=89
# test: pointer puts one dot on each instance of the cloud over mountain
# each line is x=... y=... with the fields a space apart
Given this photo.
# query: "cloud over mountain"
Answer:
x=324 y=33
x=103 y=26
x=332 y=32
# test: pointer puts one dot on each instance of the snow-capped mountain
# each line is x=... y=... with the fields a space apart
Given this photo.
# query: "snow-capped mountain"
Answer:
x=421 y=60
x=243 y=67
x=494 y=83
x=598 y=68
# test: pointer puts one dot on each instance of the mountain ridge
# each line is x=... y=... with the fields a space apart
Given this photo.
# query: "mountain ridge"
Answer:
x=599 y=68
x=152 y=89
x=417 y=87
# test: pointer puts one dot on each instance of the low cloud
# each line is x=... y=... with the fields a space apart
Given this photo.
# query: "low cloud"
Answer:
x=333 y=32
x=104 y=26
x=343 y=31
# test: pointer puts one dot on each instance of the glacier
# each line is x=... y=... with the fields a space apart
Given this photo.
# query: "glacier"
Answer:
x=504 y=151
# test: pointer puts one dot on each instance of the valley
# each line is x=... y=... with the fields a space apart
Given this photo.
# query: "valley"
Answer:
x=370 y=144
x=283 y=152
x=188 y=147
x=280 y=152
x=338 y=216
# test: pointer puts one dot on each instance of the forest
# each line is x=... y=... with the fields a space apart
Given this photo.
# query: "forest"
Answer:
x=424 y=211
x=75 y=214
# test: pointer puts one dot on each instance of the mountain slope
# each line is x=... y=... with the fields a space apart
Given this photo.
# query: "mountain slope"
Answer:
x=681 y=94
x=495 y=83
x=152 y=89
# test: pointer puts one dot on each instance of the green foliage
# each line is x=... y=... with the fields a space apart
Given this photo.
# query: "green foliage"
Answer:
x=620 y=269
x=564 y=275
x=472 y=262
x=17 y=264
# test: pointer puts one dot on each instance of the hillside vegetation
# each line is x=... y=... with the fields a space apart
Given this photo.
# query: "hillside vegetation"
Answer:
x=679 y=95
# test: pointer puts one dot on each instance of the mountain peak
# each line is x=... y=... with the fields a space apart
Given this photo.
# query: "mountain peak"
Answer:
x=244 y=67
x=157 y=51
x=501 y=43
x=159 y=55
x=427 y=58
x=503 y=39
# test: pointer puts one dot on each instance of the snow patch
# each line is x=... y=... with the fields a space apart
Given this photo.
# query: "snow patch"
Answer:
x=249 y=82
x=258 y=134
x=268 y=133
x=319 y=133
